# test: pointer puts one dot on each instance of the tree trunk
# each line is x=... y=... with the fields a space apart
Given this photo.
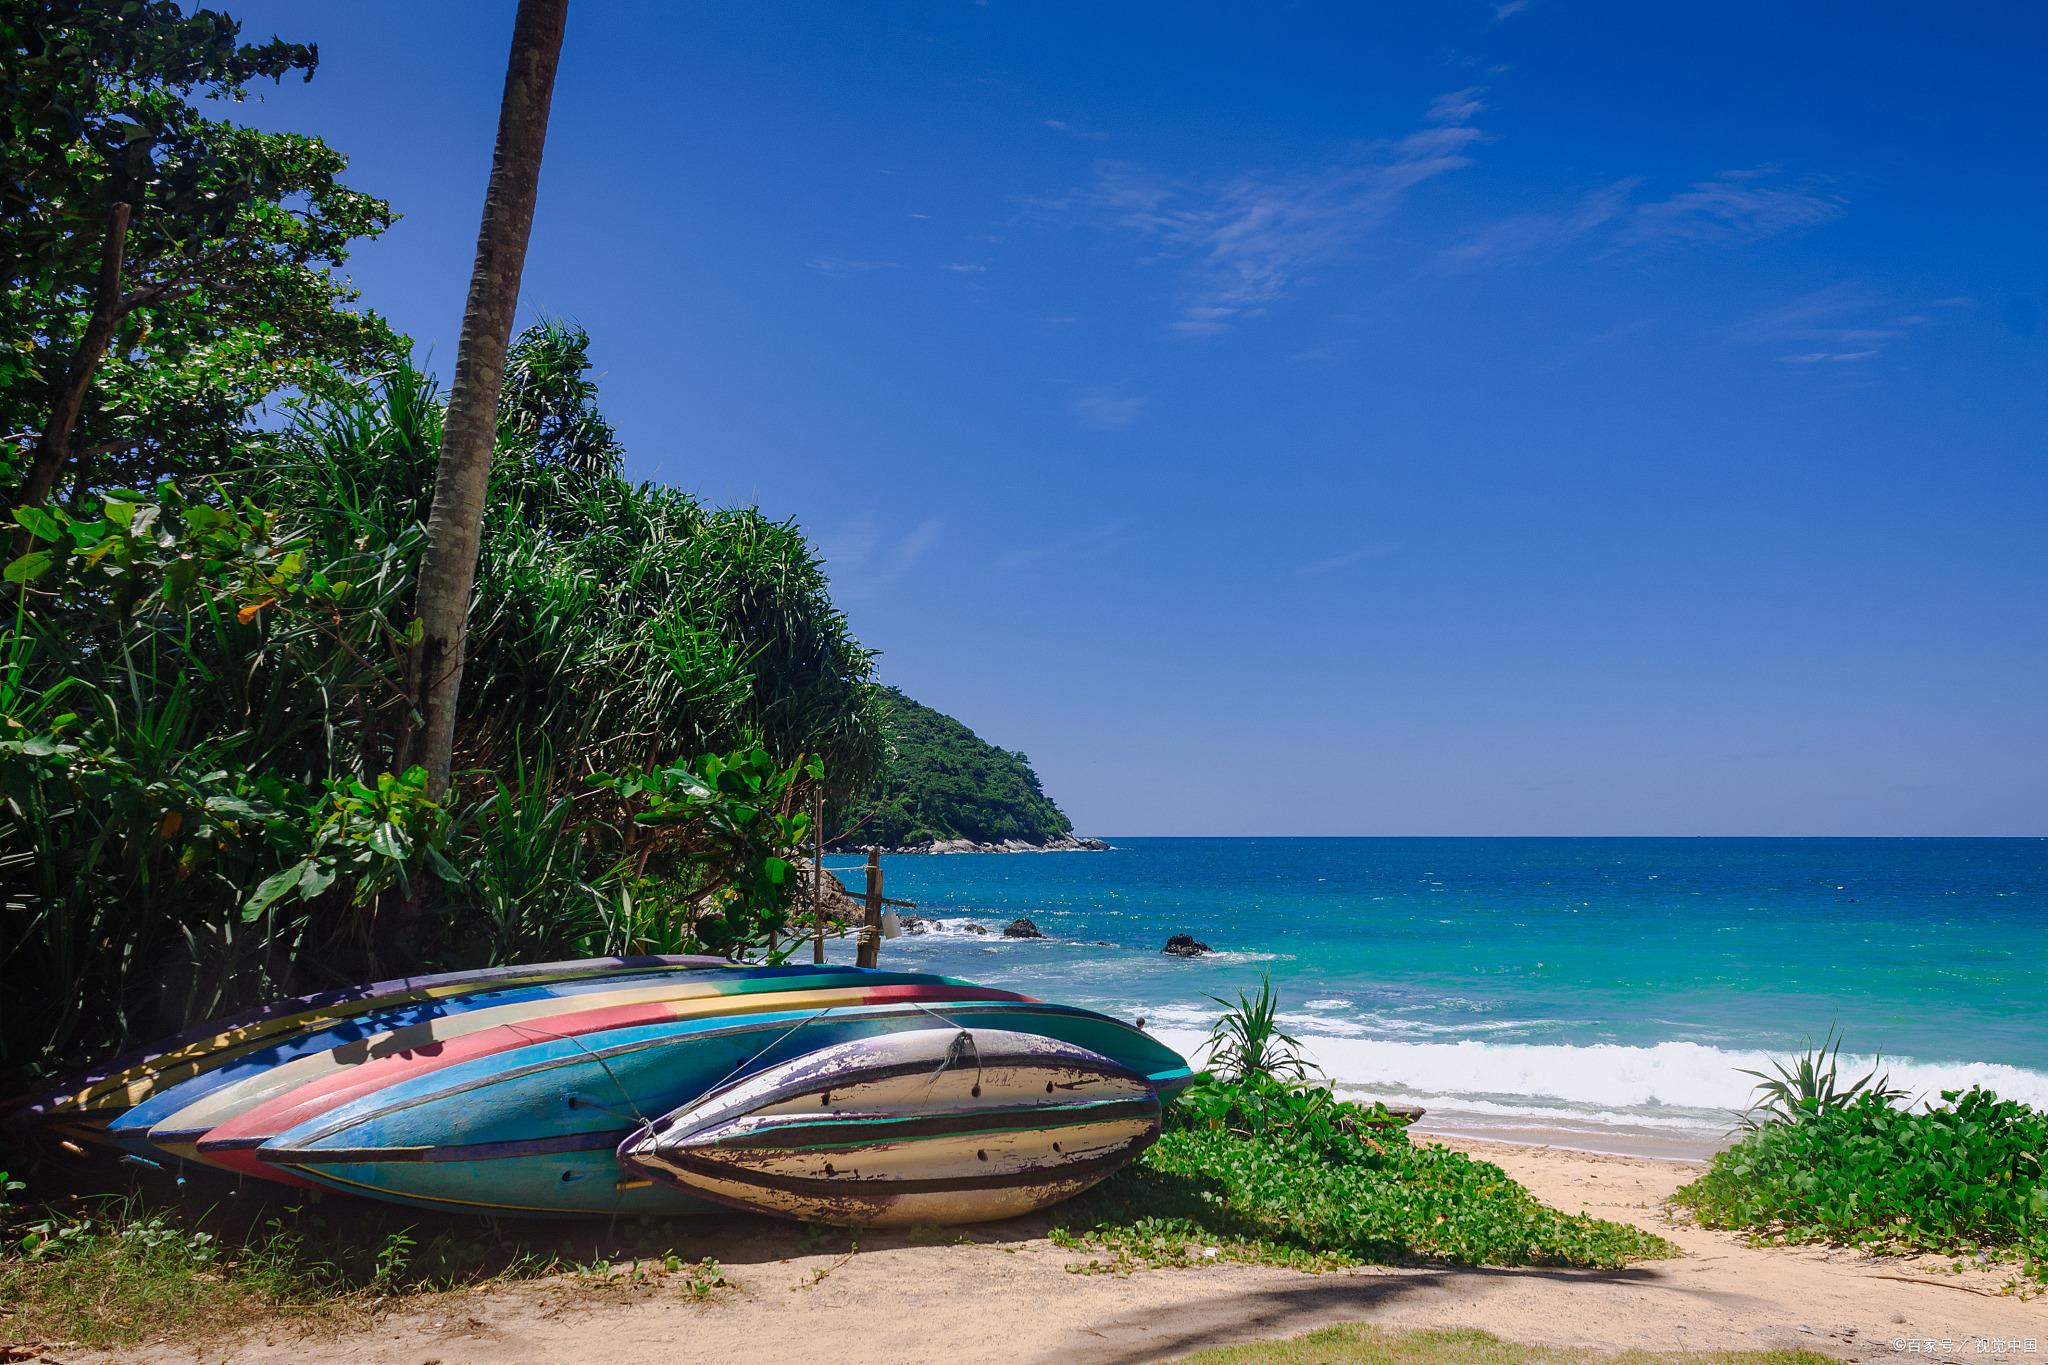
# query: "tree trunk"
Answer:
x=455 y=527
x=53 y=448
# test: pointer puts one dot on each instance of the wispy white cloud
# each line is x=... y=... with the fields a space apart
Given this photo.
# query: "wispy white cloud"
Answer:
x=1095 y=540
x=1347 y=558
x=864 y=562
x=1844 y=324
x=964 y=268
x=1458 y=106
x=1247 y=242
x=1524 y=234
x=1829 y=357
x=841 y=265
x=1060 y=125
x=1106 y=409
x=1508 y=9
x=1733 y=208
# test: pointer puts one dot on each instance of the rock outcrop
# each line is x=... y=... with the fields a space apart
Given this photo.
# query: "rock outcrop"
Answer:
x=1067 y=844
x=1022 y=928
x=1184 y=945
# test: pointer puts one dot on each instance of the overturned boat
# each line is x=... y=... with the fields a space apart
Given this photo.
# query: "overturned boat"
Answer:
x=636 y=1085
x=930 y=1126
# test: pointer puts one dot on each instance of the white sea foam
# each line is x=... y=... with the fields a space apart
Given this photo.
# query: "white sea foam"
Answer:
x=1604 y=1077
x=961 y=928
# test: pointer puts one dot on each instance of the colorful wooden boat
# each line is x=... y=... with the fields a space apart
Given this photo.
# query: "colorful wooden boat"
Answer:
x=174 y=1119
x=534 y=1129
x=83 y=1105
x=930 y=1126
x=242 y=1120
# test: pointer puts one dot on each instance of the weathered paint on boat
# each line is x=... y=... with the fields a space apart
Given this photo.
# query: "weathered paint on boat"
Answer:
x=176 y=1118
x=933 y=1126
x=535 y=1129
x=86 y=1103
x=182 y=1112
x=233 y=1143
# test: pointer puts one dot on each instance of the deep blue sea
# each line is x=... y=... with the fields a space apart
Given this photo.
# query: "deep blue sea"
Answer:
x=1602 y=993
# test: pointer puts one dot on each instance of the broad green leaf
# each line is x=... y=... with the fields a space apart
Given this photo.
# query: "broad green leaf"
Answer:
x=273 y=886
x=316 y=879
x=40 y=522
x=30 y=566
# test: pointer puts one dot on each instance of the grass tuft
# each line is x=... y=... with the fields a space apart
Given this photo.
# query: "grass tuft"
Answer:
x=117 y=1271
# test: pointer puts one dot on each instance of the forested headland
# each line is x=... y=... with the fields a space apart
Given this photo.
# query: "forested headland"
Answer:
x=941 y=781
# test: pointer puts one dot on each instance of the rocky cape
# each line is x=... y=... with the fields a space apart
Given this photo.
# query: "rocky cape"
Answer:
x=1070 y=843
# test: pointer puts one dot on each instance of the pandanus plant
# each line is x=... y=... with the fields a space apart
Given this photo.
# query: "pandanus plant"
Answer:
x=1803 y=1087
x=1249 y=1042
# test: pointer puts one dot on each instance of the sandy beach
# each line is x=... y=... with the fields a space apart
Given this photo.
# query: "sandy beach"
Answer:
x=1008 y=1295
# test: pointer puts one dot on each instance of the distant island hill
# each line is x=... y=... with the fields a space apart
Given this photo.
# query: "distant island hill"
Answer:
x=945 y=789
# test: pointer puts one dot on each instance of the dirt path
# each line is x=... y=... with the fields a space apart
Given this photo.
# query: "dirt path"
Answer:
x=1008 y=1297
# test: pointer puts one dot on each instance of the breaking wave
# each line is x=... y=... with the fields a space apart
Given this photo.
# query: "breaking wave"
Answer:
x=1599 y=1077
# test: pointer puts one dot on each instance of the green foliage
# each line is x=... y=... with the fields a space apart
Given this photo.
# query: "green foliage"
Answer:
x=1247 y=1042
x=112 y=1271
x=706 y=1277
x=178 y=683
x=1963 y=1177
x=226 y=296
x=1809 y=1085
x=367 y=837
x=206 y=795
x=1263 y=1170
x=736 y=820
x=942 y=781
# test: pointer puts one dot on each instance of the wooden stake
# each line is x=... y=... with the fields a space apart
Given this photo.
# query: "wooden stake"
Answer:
x=871 y=931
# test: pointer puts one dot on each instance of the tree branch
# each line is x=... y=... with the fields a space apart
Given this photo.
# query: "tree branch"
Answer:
x=109 y=307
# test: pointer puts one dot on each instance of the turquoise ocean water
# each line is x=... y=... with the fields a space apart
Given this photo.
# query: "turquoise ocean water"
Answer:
x=1602 y=993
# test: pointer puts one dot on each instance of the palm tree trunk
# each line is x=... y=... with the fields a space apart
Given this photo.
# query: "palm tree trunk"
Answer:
x=455 y=526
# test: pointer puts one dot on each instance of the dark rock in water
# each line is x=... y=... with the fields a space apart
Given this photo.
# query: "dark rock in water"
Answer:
x=1184 y=945
x=914 y=924
x=972 y=928
x=1021 y=928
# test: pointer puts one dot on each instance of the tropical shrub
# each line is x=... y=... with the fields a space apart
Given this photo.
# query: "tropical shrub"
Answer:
x=1811 y=1084
x=1247 y=1042
x=204 y=722
x=1263 y=1170
x=733 y=821
x=1961 y=1177
x=1256 y=1164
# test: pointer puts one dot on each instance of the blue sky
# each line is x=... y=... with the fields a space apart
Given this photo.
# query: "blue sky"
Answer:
x=1528 y=418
